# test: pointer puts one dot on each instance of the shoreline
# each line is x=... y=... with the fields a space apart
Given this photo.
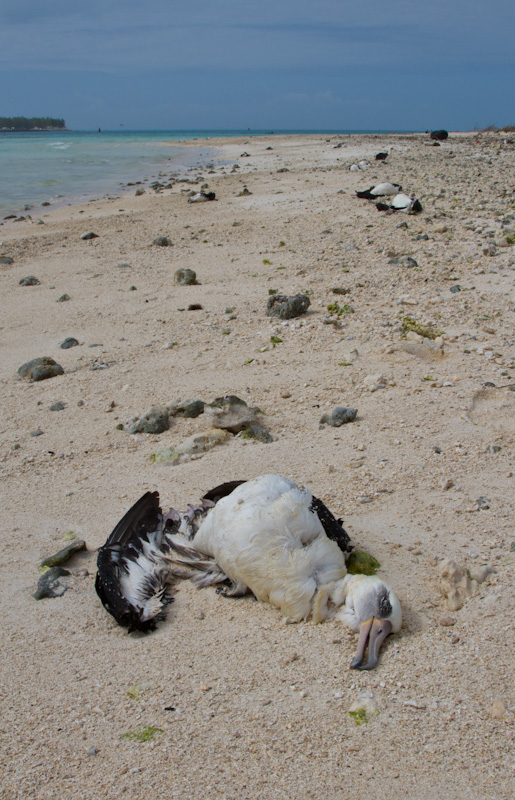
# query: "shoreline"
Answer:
x=424 y=473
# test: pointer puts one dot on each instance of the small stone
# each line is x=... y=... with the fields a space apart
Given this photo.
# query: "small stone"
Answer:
x=230 y=413
x=284 y=393
x=30 y=280
x=447 y=484
x=155 y=420
x=49 y=584
x=59 y=406
x=63 y=298
x=340 y=415
x=162 y=241
x=287 y=307
x=139 y=191
x=39 y=369
x=64 y=555
x=403 y=261
x=6 y=259
x=498 y=709
x=37 y=432
x=91 y=751
x=187 y=408
x=89 y=235
x=447 y=622
x=456 y=288
x=256 y=432
x=455 y=584
x=480 y=574
x=185 y=277
x=68 y=342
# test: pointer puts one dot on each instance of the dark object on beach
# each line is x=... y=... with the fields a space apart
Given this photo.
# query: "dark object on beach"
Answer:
x=381 y=156
x=162 y=241
x=185 y=277
x=30 y=280
x=195 y=307
x=49 y=584
x=341 y=415
x=441 y=136
x=89 y=235
x=39 y=369
x=202 y=197
x=6 y=260
x=284 y=307
x=68 y=342
x=132 y=579
x=64 y=555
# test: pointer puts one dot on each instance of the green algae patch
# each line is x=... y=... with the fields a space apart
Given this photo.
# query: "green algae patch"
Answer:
x=427 y=331
x=361 y=563
x=144 y=734
x=359 y=716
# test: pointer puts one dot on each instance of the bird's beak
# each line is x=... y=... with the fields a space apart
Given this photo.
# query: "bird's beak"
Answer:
x=373 y=632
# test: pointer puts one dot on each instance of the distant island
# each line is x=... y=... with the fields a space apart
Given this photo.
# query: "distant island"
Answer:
x=22 y=124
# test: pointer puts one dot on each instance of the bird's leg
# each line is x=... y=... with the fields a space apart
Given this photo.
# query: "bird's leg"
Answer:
x=235 y=589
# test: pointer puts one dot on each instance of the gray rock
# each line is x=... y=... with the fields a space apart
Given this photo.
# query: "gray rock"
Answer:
x=162 y=241
x=30 y=280
x=403 y=261
x=155 y=420
x=64 y=555
x=139 y=192
x=68 y=342
x=185 y=276
x=49 y=584
x=59 y=406
x=89 y=235
x=193 y=446
x=186 y=408
x=287 y=307
x=37 y=432
x=6 y=260
x=339 y=416
x=39 y=369
x=230 y=413
x=256 y=432
x=63 y=298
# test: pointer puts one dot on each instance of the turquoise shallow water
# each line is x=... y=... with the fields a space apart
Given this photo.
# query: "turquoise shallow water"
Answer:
x=70 y=166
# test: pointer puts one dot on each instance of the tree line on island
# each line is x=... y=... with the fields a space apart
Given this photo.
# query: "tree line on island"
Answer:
x=33 y=124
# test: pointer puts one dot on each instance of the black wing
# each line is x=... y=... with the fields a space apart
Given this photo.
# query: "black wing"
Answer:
x=216 y=494
x=123 y=546
x=332 y=526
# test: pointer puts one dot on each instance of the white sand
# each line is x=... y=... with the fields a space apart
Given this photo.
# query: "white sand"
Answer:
x=260 y=709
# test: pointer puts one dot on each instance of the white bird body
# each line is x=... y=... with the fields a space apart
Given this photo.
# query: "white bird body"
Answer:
x=265 y=537
x=384 y=189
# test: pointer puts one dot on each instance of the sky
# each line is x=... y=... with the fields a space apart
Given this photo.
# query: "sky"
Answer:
x=267 y=64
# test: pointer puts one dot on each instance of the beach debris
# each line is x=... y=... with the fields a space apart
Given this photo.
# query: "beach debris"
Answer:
x=340 y=415
x=361 y=563
x=257 y=433
x=440 y=135
x=155 y=420
x=287 y=307
x=163 y=241
x=195 y=307
x=39 y=369
x=49 y=584
x=6 y=259
x=403 y=261
x=139 y=191
x=59 y=406
x=30 y=280
x=89 y=235
x=381 y=156
x=144 y=734
x=63 y=298
x=244 y=192
x=185 y=277
x=186 y=408
x=68 y=342
x=230 y=413
x=195 y=445
x=455 y=584
x=64 y=555
x=363 y=708
x=202 y=197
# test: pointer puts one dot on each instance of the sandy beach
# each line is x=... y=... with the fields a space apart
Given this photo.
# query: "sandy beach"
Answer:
x=225 y=701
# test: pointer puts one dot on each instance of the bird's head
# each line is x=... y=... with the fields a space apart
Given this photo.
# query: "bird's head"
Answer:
x=378 y=613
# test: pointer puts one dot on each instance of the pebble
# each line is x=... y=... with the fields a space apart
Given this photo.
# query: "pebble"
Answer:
x=63 y=298
x=447 y=622
x=185 y=277
x=403 y=261
x=162 y=241
x=284 y=393
x=340 y=415
x=155 y=420
x=37 y=432
x=498 y=709
x=68 y=342
x=30 y=280
x=39 y=369
x=6 y=259
x=287 y=307
x=59 y=406
x=91 y=751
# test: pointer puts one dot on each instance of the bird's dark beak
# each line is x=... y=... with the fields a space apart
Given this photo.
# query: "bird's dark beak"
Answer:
x=373 y=632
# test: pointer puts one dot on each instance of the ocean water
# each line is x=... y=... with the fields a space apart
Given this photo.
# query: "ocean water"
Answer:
x=62 y=167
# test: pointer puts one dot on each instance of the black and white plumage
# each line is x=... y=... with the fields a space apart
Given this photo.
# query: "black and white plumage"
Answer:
x=132 y=578
x=381 y=190
x=381 y=156
x=272 y=538
x=202 y=197
x=402 y=202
